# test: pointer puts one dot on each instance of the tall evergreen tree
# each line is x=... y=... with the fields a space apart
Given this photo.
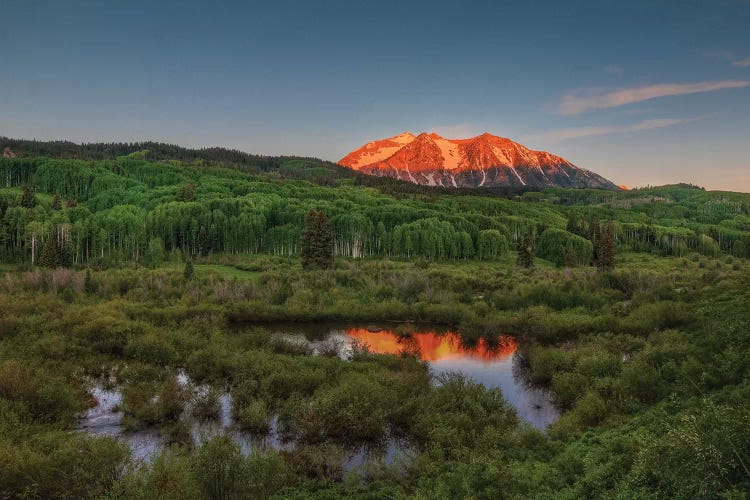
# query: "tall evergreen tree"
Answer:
x=48 y=256
x=526 y=251
x=595 y=235
x=187 y=192
x=571 y=256
x=64 y=254
x=88 y=283
x=28 y=199
x=317 y=241
x=607 y=247
x=189 y=271
x=56 y=203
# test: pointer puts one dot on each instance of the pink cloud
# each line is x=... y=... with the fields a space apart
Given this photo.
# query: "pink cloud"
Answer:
x=579 y=132
x=742 y=62
x=576 y=104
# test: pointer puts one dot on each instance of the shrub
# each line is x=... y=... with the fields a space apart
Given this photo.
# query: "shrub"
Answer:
x=591 y=408
x=255 y=417
x=220 y=470
x=206 y=405
x=567 y=387
x=354 y=410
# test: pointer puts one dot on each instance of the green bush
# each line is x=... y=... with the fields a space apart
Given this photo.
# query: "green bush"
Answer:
x=254 y=417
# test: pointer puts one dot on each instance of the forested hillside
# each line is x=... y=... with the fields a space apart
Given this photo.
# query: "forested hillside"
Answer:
x=133 y=208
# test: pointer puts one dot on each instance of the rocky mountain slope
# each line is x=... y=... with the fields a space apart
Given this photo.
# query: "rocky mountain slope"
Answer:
x=482 y=161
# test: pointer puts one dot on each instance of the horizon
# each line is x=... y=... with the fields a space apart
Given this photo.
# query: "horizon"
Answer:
x=669 y=105
x=621 y=186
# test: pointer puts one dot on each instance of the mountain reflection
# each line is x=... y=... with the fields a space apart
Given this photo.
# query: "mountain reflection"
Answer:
x=432 y=346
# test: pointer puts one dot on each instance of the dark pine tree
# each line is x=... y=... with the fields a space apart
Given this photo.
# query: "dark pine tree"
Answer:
x=595 y=235
x=607 y=247
x=64 y=254
x=189 y=271
x=317 y=241
x=187 y=192
x=88 y=282
x=526 y=251
x=56 y=203
x=571 y=256
x=28 y=199
x=48 y=256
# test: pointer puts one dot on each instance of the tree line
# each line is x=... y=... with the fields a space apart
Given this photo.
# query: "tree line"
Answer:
x=133 y=209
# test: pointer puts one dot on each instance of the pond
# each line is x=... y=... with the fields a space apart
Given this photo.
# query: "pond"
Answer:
x=494 y=366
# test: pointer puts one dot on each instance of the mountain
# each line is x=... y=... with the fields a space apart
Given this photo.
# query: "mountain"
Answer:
x=482 y=161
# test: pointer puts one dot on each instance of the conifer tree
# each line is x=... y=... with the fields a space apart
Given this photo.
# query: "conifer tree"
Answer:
x=64 y=254
x=187 y=192
x=189 y=271
x=317 y=241
x=88 y=283
x=56 y=203
x=48 y=257
x=28 y=199
x=526 y=251
x=571 y=256
x=595 y=235
x=607 y=247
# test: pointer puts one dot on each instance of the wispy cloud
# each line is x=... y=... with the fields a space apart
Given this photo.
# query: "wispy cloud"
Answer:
x=579 y=132
x=576 y=104
x=742 y=62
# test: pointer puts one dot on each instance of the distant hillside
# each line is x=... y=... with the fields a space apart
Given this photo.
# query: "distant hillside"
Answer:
x=294 y=167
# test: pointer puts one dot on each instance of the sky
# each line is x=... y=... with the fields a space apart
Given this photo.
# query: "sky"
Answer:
x=643 y=92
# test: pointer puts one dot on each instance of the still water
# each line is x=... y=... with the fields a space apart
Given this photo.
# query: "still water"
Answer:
x=493 y=366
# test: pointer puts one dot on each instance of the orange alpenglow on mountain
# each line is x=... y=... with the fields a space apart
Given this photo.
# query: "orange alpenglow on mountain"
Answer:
x=482 y=161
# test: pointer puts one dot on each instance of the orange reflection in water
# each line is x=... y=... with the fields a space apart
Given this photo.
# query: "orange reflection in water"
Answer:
x=432 y=346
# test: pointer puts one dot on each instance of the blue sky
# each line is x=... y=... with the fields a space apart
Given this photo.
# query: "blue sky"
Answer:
x=643 y=92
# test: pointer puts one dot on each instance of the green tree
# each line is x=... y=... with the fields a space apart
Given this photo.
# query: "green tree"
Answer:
x=28 y=199
x=64 y=253
x=56 y=203
x=607 y=247
x=49 y=255
x=526 y=251
x=187 y=192
x=189 y=271
x=204 y=246
x=491 y=244
x=317 y=241
x=571 y=256
x=595 y=235
x=88 y=283
x=155 y=251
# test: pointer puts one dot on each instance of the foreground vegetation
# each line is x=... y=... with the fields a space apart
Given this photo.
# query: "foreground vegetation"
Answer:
x=648 y=356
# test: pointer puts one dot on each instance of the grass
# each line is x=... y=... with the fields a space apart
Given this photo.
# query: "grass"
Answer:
x=632 y=356
x=226 y=270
